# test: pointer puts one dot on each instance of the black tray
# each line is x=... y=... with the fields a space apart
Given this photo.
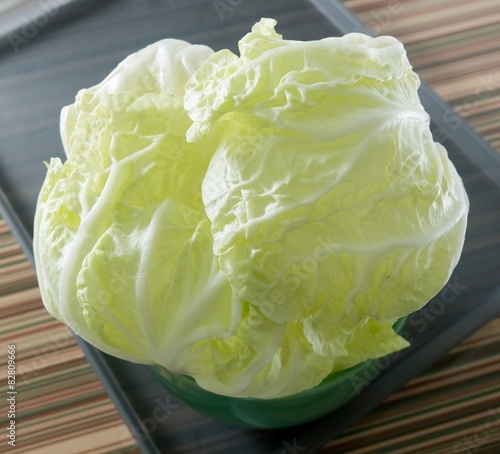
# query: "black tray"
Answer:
x=46 y=55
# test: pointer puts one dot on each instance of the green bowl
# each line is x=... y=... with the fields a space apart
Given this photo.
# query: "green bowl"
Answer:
x=306 y=406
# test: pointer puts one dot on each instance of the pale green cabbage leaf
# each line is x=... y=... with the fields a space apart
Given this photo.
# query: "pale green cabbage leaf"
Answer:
x=257 y=221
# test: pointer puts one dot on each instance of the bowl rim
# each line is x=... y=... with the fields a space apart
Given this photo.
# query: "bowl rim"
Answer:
x=332 y=380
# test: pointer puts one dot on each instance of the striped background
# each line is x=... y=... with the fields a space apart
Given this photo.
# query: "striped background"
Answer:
x=454 y=45
x=454 y=407
x=61 y=405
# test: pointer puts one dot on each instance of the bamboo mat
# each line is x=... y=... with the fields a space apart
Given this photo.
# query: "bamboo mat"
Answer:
x=453 y=408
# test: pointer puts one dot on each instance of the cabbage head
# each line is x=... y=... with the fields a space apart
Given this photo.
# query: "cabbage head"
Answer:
x=256 y=222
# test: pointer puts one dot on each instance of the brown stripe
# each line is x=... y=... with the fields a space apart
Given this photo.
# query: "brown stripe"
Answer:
x=61 y=405
x=454 y=47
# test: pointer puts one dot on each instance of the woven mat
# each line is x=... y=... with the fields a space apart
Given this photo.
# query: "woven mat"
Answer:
x=453 y=408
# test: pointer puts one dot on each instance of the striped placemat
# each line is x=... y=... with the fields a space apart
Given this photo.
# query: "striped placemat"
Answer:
x=453 y=408
x=454 y=45
x=60 y=406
